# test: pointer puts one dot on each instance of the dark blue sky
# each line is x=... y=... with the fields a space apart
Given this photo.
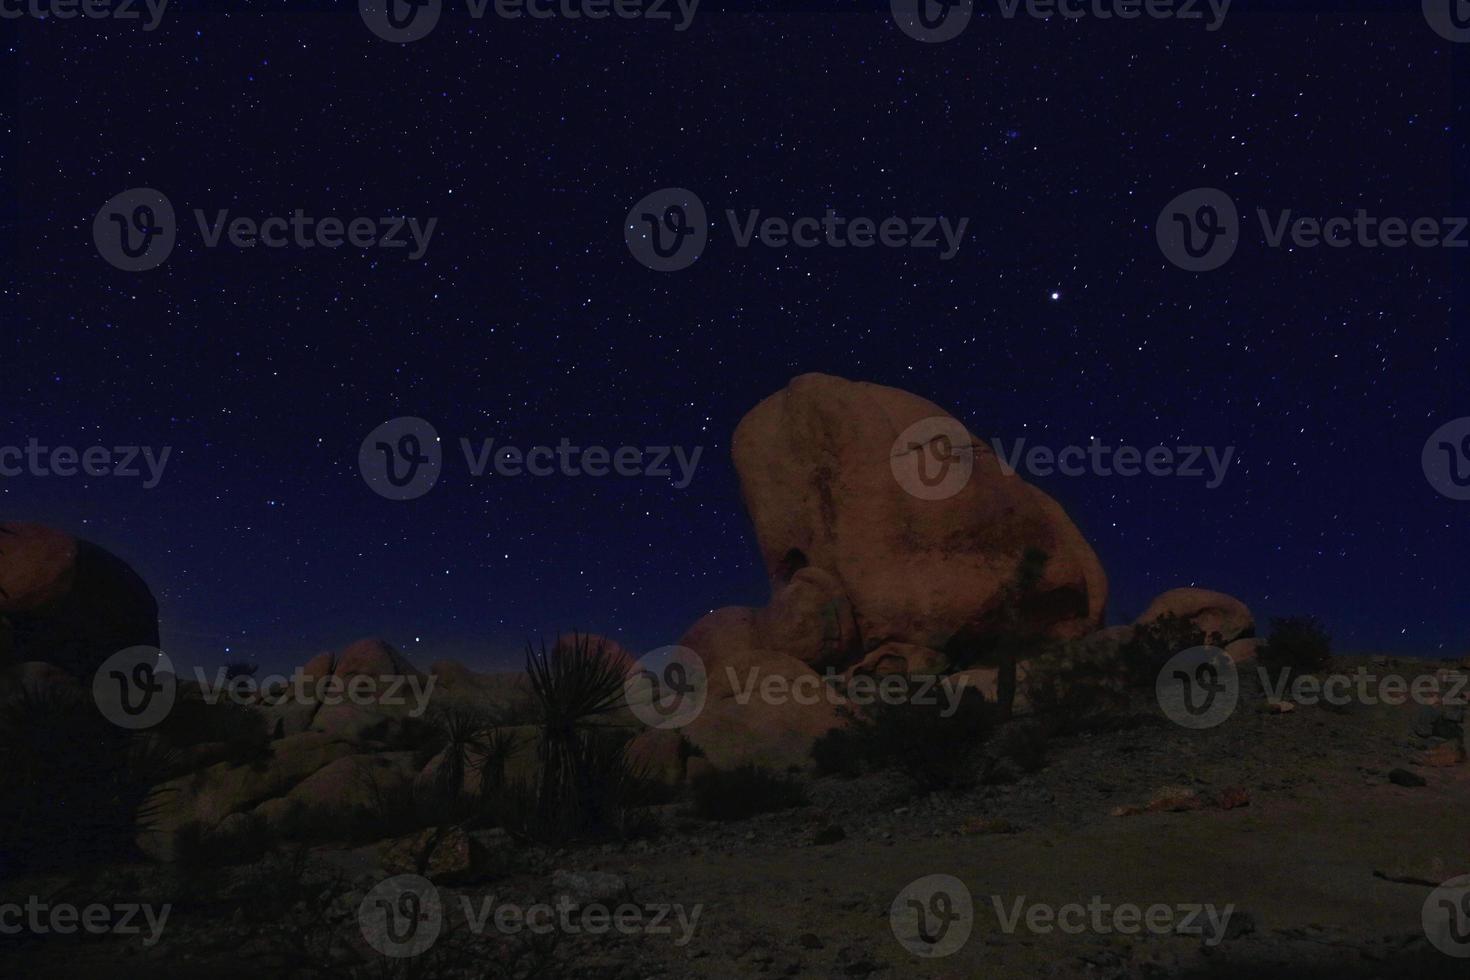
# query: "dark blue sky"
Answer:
x=528 y=320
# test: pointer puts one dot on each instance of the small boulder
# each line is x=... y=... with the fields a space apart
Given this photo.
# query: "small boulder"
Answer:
x=1244 y=651
x=1403 y=777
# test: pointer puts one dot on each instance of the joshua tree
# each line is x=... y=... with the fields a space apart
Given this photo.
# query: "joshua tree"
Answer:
x=1018 y=638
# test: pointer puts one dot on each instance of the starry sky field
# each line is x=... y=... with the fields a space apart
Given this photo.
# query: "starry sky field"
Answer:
x=527 y=320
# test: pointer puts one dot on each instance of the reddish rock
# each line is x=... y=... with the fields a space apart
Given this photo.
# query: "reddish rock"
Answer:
x=1234 y=797
x=817 y=474
x=1175 y=799
x=902 y=658
x=1245 y=651
x=369 y=657
x=69 y=602
x=1212 y=612
x=811 y=619
x=1443 y=755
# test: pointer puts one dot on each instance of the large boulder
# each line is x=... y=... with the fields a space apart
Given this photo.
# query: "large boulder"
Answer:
x=810 y=618
x=818 y=474
x=68 y=602
x=1212 y=612
x=740 y=724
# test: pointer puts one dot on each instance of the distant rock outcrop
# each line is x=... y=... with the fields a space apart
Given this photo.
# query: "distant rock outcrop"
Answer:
x=68 y=602
x=1212 y=612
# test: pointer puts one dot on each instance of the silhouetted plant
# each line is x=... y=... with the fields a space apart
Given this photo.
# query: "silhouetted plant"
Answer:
x=1011 y=633
x=1297 y=643
x=743 y=792
x=934 y=742
x=1152 y=644
x=1077 y=686
x=73 y=787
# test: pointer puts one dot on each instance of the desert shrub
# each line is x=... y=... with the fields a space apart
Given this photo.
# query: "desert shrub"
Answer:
x=1017 y=748
x=1297 y=643
x=607 y=798
x=934 y=742
x=1076 y=687
x=1152 y=644
x=74 y=788
x=585 y=784
x=743 y=792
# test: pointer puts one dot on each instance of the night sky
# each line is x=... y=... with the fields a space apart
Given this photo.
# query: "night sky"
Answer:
x=529 y=321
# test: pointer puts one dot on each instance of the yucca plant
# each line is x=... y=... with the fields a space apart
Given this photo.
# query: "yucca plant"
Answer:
x=73 y=787
x=572 y=683
x=582 y=773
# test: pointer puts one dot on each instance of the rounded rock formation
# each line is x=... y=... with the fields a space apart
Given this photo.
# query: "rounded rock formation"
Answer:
x=68 y=602
x=1213 y=612
x=817 y=466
